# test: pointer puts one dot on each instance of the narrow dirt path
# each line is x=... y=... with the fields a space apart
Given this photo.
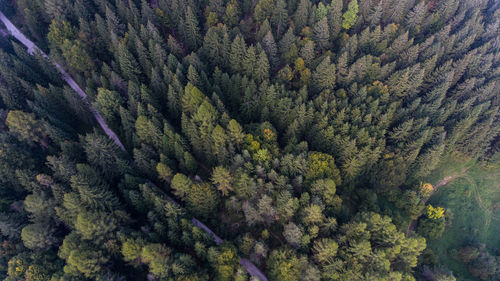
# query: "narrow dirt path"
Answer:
x=66 y=77
x=479 y=200
x=31 y=48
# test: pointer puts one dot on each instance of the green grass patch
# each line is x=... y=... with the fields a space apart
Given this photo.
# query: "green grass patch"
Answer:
x=472 y=203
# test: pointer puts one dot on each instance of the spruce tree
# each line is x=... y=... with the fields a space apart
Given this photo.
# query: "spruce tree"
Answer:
x=321 y=34
x=324 y=75
x=350 y=16
x=191 y=29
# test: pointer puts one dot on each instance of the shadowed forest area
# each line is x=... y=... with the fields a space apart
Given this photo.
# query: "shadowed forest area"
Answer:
x=250 y=140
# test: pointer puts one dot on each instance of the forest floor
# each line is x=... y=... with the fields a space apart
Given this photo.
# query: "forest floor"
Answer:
x=472 y=204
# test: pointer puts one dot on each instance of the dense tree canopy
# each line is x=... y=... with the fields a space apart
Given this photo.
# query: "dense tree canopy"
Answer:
x=299 y=131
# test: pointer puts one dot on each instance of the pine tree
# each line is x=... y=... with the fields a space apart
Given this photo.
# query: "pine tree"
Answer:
x=376 y=14
x=350 y=16
x=261 y=71
x=192 y=30
x=283 y=264
x=307 y=53
x=301 y=15
x=222 y=179
x=232 y=14
x=279 y=18
x=237 y=54
x=38 y=236
x=324 y=75
x=263 y=10
x=334 y=17
x=235 y=133
x=286 y=44
x=87 y=260
x=416 y=15
x=108 y=103
x=219 y=139
x=26 y=127
x=321 y=35
x=269 y=45
x=217 y=6
x=293 y=234
x=249 y=61
x=202 y=199
x=128 y=64
x=76 y=56
x=94 y=192
x=325 y=250
x=320 y=12
x=102 y=152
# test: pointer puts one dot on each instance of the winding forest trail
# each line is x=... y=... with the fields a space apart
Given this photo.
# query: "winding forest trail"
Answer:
x=65 y=76
x=442 y=182
x=31 y=48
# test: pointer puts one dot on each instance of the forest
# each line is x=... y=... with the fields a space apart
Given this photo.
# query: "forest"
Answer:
x=248 y=139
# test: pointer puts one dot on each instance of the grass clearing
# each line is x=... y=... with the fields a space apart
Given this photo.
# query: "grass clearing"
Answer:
x=472 y=202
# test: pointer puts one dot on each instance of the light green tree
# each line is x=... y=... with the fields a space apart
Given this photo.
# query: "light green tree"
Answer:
x=351 y=15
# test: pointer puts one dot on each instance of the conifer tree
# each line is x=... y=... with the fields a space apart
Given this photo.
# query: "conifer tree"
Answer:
x=321 y=34
x=38 y=236
x=324 y=75
x=271 y=49
x=232 y=14
x=350 y=16
x=128 y=64
x=26 y=127
x=263 y=10
x=334 y=16
x=279 y=17
x=237 y=54
x=222 y=179
x=301 y=15
x=192 y=30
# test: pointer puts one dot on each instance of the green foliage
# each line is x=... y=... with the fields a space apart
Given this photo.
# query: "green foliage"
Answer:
x=369 y=236
x=325 y=250
x=202 y=199
x=283 y=264
x=164 y=171
x=434 y=213
x=76 y=56
x=157 y=256
x=263 y=10
x=59 y=31
x=321 y=165
x=232 y=14
x=26 y=127
x=431 y=228
x=324 y=75
x=181 y=185
x=274 y=122
x=350 y=16
x=108 y=103
x=325 y=189
x=132 y=249
x=293 y=234
x=86 y=260
x=480 y=263
x=192 y=34
x=222 y=179
x=224 y=260
x=38 y=236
